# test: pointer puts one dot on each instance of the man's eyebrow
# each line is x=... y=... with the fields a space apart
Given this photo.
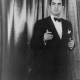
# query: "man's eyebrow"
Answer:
x=56 y=3
x=59 y=3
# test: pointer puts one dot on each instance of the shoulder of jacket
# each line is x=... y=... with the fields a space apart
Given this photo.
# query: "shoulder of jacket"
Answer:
x=66 y=21
x=41 y=21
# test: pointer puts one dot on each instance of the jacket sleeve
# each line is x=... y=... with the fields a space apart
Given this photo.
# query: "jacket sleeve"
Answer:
x=37 y=37
x=71 y=35
x=70 y=31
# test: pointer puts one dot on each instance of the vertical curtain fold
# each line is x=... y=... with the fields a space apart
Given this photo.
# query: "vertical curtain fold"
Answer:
x=73 y=14
x=0 y=39
x=18 y=19
x=4 y=36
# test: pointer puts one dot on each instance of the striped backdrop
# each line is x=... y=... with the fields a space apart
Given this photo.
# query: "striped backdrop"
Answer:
x=18 y=18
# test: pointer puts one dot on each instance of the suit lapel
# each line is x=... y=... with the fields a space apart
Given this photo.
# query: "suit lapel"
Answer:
x=51 y=24
x=64 y=29
x=52 y=28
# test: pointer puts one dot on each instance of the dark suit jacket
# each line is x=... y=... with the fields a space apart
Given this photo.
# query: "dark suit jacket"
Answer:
x=51 y=60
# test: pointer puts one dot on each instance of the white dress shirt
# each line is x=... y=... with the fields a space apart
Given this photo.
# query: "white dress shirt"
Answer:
x=58 y=26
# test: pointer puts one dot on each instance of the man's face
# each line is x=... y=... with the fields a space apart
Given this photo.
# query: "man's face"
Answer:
x=56 y=7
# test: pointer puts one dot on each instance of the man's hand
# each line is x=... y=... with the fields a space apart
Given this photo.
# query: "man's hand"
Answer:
x=71 y=44
x=47 y=36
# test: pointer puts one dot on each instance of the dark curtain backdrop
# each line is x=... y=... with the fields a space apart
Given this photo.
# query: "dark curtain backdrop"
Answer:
x=0 y=41
x=17 y=22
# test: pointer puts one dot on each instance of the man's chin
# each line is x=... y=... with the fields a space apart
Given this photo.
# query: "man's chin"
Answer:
x=56 y=14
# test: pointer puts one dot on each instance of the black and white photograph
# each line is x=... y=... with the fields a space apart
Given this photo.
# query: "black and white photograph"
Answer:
x=39 y=39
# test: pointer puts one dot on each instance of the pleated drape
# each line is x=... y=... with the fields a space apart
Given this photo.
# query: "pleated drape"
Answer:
x=18 y=19
x=74 y=17
x=0 y=41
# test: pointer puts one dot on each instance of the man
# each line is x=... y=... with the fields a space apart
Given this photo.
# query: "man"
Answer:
x=51 y=42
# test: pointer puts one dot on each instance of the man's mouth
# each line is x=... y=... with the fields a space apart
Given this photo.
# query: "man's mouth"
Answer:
x=55 y=10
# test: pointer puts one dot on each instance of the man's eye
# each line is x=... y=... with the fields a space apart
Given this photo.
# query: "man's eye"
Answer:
x=53 y=3
x=59 y=4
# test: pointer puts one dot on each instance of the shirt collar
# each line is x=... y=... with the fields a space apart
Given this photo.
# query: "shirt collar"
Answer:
x=52 y=17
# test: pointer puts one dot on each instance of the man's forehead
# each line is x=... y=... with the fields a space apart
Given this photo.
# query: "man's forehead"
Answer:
x=57 y=1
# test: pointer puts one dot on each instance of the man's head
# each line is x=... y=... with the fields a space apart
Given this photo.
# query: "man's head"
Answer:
x=63 y=2
x=56 y=7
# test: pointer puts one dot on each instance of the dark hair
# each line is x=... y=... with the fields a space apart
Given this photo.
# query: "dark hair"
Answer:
x=63 y=2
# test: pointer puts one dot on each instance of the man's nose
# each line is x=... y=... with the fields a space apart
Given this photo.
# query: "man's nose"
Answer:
x=56 y=6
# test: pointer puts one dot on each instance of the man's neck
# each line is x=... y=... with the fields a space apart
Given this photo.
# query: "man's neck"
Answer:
x=56 y=16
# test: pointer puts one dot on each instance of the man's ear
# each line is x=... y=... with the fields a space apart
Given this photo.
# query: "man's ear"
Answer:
x=63 y=7
x=49 y=7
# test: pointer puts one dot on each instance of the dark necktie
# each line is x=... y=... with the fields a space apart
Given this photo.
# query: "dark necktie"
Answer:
x=57 y=19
